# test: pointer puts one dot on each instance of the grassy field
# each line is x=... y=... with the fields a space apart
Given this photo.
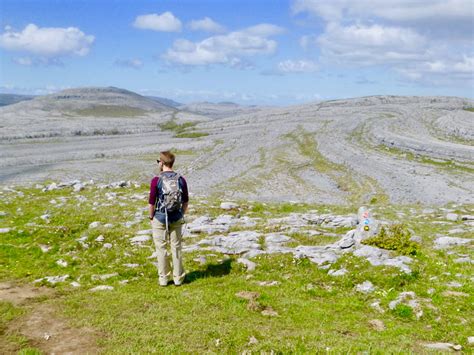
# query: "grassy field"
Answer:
x=311 y=311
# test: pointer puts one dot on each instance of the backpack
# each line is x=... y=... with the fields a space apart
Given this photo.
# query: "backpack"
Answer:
x=170 y=193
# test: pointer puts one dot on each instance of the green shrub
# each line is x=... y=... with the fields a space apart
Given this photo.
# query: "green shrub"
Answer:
x=396 y=237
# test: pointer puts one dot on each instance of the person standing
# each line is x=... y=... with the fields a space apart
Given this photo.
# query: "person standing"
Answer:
x=168 y=202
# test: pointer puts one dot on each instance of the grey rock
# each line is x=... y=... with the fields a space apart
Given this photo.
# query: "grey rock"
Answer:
x=228 y=205
x=94 y=224
x=446 y=242
x=365 y=287
x=467 y=217
x=233 y=243
x=250 y=265
x=452 y=217
x=5 y=230
x=53 y=279
x=442 y=346
x=102 y=288
x=140 y=239
x=339 y=272
x=107 y=246
x=104 y=277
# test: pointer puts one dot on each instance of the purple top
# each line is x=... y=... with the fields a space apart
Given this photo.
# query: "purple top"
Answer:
x=154 y=190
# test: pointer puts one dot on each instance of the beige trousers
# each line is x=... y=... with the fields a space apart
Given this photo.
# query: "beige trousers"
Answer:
x=162 y=237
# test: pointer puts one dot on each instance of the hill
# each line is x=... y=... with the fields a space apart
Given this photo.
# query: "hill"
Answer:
x=9 y=99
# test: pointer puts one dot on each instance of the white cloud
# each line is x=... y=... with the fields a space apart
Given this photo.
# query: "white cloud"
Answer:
x=47 y=41
x=165 y=22
x=38 y=61
x=371 y=45
x=396 y=10
x=444 y=72
x=130 y=63
x=206 y=24
x=297 y=66
x=225 y=49
x=25 y=61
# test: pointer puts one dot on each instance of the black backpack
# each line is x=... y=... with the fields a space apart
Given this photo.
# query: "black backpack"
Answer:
x=169 y=193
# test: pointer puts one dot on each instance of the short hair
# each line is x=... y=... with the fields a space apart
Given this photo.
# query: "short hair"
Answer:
x=167 y=158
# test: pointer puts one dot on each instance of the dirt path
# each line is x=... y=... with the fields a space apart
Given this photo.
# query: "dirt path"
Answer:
x=41 y=325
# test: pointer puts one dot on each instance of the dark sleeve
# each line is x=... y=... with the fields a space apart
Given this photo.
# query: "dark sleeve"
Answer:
x=184 y=188
x=152 y=197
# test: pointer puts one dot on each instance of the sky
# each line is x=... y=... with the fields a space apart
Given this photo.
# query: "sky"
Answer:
x=272 y=52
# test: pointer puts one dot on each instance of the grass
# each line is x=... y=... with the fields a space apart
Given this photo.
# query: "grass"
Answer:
x=111 y=111
x=470 y=109
x=182 y=130
x=316 y=312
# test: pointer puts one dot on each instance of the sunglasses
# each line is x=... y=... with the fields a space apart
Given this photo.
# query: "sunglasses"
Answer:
x=158 y=161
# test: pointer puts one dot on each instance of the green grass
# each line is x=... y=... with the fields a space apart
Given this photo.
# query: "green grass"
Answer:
x=111 y=111
x=182 y=130
x=316 y=312
x=470 y=109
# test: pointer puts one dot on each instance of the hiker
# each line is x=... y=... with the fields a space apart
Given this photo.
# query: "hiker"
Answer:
x=168 y=203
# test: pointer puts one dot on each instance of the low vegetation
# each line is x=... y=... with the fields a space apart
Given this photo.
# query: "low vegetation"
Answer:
x=182 y=130
x=396 y=237
x=314 y=311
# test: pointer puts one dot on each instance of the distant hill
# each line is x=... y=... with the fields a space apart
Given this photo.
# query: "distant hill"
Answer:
x=165 y=101
x=9 y=99
x=221 y=109
x=94 y=101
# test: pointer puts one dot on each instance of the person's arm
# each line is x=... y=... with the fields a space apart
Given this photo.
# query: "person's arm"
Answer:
x=152 y=198
x=185 y=195
x=152 y=211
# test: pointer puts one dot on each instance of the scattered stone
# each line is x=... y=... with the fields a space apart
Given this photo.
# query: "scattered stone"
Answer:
x=123 y=282
x=75 y=284
x=268 y=283
x=454 y=284
x=339 y=272
x=107 y=246
x=456 y=231
x=61 y=262
x=467 y=218
x=376 y=305
x=131 y=266
x=446 y=242
x=100 y=239
x=470 y=340
x=108 y=225
x=45 y=217
x=454 y=294
x=228 y=205
x=52 y=279
x=78 y=187
x=44 y=248
x=409 y=299
x=5 y=230
x=139 y=239
x=377 y=324
x=464 y=260
x=250 y=265
x=452 y=217
x=252 y=340
x=234 y=243
x=442 y=346
x=94 y=224
x=270 y=312
x=102 y=288
x=248 y=295
x=365 y=287
x=103 y=277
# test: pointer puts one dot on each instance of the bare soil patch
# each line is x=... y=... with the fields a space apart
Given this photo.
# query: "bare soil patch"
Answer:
x=42 y=326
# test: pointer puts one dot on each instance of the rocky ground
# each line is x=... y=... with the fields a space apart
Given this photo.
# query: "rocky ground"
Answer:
x=391 y=148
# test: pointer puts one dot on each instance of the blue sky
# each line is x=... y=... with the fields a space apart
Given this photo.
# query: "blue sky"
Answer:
x=252 y=52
